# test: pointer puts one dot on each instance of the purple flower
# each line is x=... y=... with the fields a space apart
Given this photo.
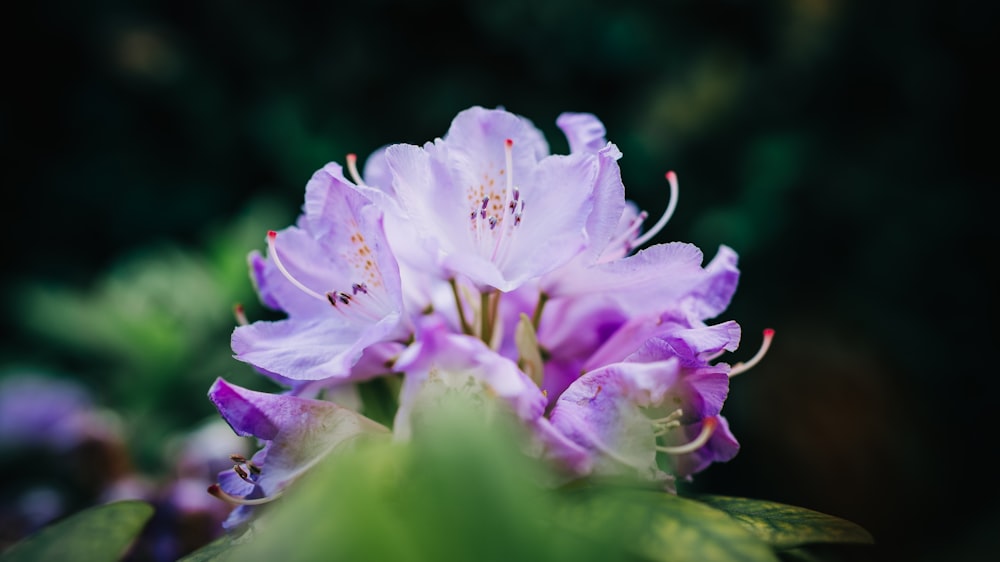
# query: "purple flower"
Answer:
x=297 y=433
x=486 y=270
x=446 y=366
x=624 y=414
x=334 y=275
x=487 y=202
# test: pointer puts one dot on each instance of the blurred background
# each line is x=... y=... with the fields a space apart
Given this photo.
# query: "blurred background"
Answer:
x=836 y=145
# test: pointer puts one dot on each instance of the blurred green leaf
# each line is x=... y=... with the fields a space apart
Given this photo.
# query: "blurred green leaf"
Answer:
x=660 y=526
x=786 y=526
x=215 y=550
x=461 y=490
x=93 y=535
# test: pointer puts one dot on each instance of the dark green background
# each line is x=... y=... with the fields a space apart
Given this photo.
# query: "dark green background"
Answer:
x=840 y=147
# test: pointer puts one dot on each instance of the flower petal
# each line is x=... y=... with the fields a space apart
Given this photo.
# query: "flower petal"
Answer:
x=301 y=431
x=310 y=349
x=444 y=363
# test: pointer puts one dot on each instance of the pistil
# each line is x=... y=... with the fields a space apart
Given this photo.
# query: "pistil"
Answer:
x=707 y=429
x=764 y=346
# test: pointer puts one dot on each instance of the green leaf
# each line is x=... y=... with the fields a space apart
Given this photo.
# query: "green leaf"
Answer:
x=660 y=526
x=93 y=535
x=786 y=526
x=211 y=552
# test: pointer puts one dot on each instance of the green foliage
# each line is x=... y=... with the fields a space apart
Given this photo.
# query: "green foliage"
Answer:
x=92 y=535
x=659 y=526
x=463 y=490
x=154 y=329
x=787 y=526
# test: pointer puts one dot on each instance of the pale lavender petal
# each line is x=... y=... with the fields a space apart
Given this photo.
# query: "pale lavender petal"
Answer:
x=476 y=129
x=309 y=349
x=443 y=363
x=713 y=295
x=376 y=172
x=610 y=206
x=644 y=272
x=266 y=285
x=459 y=196
x=693 y=346
x=559 y=199
x=584 y=131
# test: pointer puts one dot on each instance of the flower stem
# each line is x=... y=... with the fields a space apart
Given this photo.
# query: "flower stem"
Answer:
x=458 y=305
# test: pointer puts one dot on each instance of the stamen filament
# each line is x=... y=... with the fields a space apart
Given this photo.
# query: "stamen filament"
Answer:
x=764 y=346
x=672 y=416
x=273 y=252
x=352 y=168
x=674 y=191
x=508 y=199
x=662 y=426
x=622 y=239
x=240 y=314
x=217 y=491
x=707 y=429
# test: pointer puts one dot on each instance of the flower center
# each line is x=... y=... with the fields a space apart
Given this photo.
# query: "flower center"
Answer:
x=494 y=215
x=360 y=302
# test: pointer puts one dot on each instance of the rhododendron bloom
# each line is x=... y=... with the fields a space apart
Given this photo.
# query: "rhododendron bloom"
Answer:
x=481 y=268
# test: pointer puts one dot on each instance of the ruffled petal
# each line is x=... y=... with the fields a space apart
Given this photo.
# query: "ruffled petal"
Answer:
x=584 y=131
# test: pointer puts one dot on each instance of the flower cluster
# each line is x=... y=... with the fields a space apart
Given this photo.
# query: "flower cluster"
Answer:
x=480 y=267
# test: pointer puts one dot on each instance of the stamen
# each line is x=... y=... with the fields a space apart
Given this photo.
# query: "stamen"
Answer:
x=511 y=198
x=240 y=314
x=253 y=467
x=359 y=288
x=352 y=168
x=240 y=472
x=671 y=417
x=707 y=429
x=238 y=458
x=217 y=491
x=662 y=426
x=764 y=346
x=622 y=239
x=674 y=190
x=508 y=152
x=273 y=252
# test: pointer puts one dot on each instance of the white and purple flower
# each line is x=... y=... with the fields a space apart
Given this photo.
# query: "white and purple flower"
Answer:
x=481 y=267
